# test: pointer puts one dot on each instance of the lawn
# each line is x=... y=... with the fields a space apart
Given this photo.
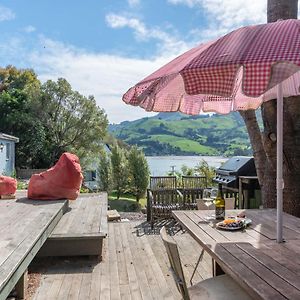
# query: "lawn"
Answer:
x=126 y=202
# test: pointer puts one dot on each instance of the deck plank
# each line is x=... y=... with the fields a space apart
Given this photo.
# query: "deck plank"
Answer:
x=141 y=271
x=113 y=266
x=132 y=276
x=137 y=260
x=104 y=272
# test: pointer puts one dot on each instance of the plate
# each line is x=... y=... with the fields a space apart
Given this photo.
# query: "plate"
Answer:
x=219 y=226
x=233 y=224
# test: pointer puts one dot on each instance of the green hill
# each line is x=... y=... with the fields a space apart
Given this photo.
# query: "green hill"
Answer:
x=178 y=134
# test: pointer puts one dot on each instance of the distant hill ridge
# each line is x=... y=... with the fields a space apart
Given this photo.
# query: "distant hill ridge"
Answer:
x=179 y=134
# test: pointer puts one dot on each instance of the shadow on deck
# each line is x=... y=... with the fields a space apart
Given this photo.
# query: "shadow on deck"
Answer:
x=134 y=265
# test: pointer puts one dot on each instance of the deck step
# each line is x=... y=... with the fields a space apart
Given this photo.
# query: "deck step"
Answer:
x=8 y=196
x=81 y=230
x=113 y=215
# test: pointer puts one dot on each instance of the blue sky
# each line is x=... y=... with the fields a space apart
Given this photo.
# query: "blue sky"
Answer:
x=104 y=47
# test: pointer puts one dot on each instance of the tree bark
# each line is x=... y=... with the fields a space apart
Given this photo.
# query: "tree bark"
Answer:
x=254 y=133
x=282 y=9
x=264 y=143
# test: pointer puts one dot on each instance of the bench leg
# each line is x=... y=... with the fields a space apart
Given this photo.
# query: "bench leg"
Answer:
x=21 y=286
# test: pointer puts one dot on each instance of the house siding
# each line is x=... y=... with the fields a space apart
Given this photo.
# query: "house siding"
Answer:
x=7 y=157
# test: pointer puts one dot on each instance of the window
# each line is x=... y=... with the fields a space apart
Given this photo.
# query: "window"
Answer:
x=8 y=150
x=89 y=175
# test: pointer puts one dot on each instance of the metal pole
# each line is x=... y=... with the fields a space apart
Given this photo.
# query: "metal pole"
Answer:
x=279 y=181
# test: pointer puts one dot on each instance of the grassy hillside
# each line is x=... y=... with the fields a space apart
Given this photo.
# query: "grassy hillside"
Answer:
x=178 y=134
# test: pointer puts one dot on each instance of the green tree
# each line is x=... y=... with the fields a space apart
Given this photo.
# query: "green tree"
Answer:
x=119 y=170
x=19 y=92
x=204 y=169
x=73 y=122
x=187 y=171
x=139 y=171
x=104 y=172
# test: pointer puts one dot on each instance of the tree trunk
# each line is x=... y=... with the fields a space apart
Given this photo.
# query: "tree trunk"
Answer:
x=264 y=143
x=282 y=9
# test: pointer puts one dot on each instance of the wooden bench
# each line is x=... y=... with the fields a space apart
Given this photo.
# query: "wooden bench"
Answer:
x=81 y=230
x=24 y=227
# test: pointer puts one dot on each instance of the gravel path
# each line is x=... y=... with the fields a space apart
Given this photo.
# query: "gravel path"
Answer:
x=133 y=216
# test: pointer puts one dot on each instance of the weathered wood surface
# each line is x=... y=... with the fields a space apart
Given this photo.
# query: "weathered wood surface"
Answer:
x=24 y=227
x=81 y=230
x=113 y=215
x=134 y=266
x=265 y=269
x=8 y=196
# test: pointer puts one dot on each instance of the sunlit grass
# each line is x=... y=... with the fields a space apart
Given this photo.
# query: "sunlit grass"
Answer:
x=126 y=202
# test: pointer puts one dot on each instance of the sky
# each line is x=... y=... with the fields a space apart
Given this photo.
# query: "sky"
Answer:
x=104 y=47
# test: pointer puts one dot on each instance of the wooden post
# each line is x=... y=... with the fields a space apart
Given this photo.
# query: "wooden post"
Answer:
x=240 y=194
x=21 y=286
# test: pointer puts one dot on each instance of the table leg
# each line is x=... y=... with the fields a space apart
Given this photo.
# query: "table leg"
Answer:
x=217 y=270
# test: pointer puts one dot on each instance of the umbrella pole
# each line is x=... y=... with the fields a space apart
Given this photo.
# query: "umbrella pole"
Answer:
x=279 y=181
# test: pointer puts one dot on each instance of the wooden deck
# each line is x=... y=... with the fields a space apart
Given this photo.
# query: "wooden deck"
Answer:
x=134 y=266
x=24 y=227
x=81 y=230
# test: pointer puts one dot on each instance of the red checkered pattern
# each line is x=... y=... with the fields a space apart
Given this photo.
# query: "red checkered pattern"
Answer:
x=236 y=72
x=256 y=48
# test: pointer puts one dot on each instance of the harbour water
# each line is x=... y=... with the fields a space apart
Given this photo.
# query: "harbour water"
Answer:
x=161 y=165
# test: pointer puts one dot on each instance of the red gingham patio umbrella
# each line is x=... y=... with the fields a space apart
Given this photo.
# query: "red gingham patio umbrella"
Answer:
x=236 y=72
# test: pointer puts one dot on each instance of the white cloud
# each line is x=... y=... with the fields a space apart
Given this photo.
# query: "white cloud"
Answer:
x=107 y=77
x=29 y=29
x=168 y=43
x=190 y=3
x=6 y=14
x=235 y=13
x=118 y=21
x=133 y=3
x=225 y=15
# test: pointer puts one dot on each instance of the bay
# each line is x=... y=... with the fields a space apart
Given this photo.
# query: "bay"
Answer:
x=161 y=165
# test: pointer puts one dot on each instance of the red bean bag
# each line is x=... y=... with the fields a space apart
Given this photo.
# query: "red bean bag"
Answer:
x=63 y=181
x=8 y=185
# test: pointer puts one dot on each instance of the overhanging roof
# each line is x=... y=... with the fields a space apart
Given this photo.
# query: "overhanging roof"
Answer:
x=4 y=136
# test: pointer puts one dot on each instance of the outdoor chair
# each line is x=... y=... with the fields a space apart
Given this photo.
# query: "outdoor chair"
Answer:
x=160 y=204
x=216 y=288
x=192 y=189
x=163 y=182
x=163 y=197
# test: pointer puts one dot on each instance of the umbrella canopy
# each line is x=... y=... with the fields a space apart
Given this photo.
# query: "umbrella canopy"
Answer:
x=236 y=72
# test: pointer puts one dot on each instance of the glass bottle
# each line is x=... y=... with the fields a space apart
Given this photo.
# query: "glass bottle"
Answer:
x=220 y=204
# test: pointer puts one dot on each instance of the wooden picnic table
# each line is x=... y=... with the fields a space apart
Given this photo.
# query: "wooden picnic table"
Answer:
x=264 y=268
